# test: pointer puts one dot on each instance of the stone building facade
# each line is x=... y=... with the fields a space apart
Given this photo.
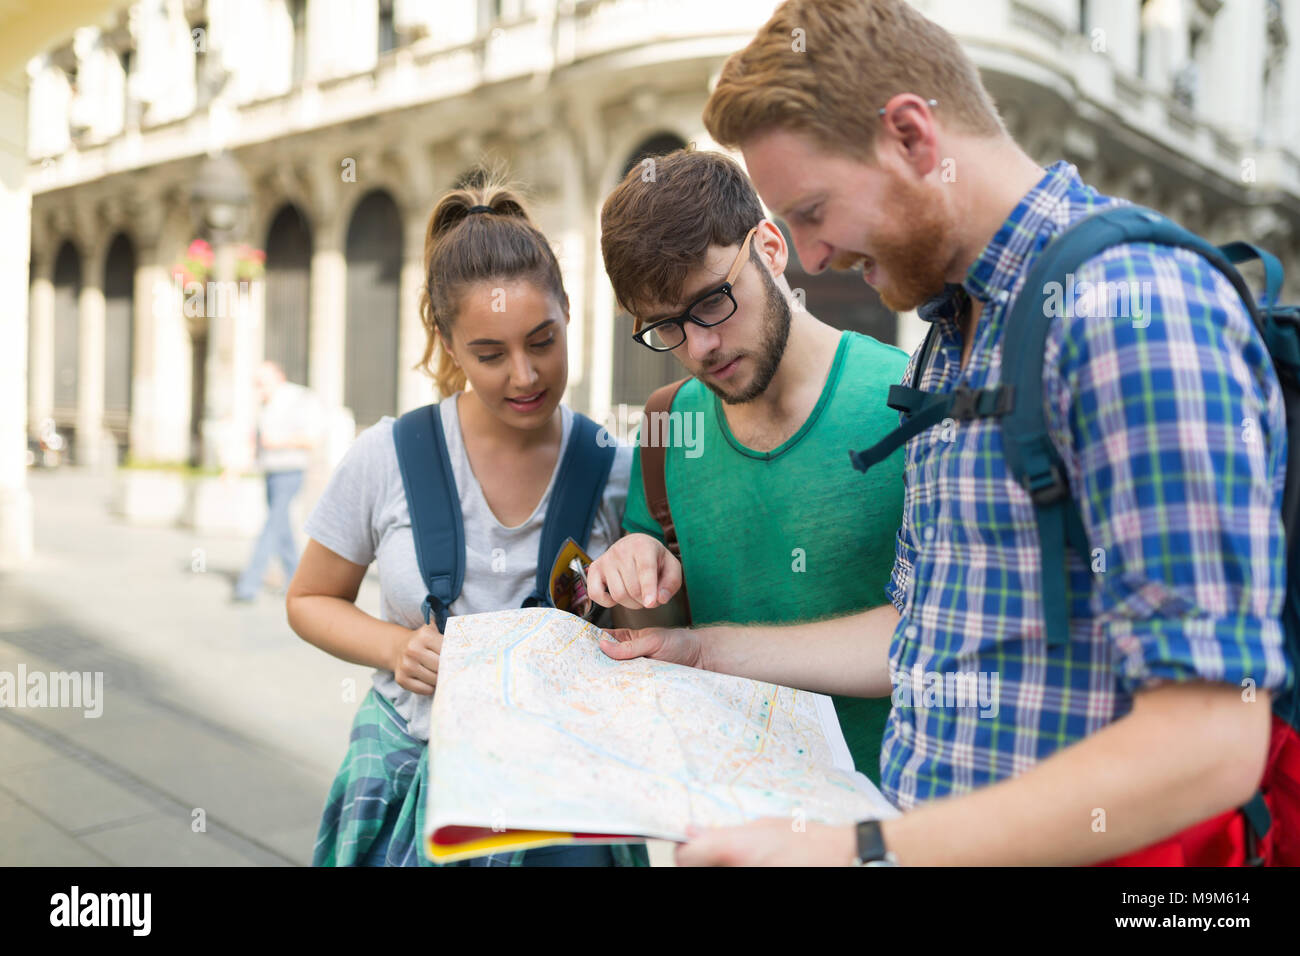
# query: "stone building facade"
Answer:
x=349 y=117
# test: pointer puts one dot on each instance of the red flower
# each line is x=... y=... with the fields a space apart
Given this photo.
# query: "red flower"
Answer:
x=200 y=251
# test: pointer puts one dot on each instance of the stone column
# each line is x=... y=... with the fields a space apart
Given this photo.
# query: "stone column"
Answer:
x=577 y=245
x=249 y=346
x=90 y=362
x=414 y=388
x=228 y=410
x=328 y=302
x=160 y=410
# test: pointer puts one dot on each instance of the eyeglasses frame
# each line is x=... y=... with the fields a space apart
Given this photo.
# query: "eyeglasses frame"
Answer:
x=725 y=288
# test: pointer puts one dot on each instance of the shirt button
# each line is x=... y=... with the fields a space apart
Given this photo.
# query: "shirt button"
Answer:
x=929 y=532
x=910 y=632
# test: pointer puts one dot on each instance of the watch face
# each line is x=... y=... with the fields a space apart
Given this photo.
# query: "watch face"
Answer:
x=871 y=843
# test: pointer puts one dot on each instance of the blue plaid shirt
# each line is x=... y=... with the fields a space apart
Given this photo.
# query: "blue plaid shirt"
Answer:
x=1171 y=424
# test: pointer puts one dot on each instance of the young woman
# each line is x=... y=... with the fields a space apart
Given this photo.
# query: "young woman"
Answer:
x=495 y=313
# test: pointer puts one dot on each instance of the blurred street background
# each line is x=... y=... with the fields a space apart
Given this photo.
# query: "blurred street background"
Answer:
x=207 y=706
x=193 y=187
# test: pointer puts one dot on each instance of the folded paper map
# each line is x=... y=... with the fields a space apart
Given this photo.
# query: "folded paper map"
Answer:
x=538 y=738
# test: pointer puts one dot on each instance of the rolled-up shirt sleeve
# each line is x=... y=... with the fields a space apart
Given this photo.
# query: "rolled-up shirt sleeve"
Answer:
x=900 y=578
x=1165 y=407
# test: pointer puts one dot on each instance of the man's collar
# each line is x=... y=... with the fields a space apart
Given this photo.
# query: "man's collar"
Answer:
x=998 y=266
x=945 y=306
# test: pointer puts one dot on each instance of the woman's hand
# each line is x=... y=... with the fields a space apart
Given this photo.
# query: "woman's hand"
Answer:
x=415 y=659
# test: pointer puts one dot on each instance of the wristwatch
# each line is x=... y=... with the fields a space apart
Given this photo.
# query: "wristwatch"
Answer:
x=871 y=846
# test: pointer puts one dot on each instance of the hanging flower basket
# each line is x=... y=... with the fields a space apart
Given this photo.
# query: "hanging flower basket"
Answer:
x=197 y=267
x=197 y=264
x=250 y=263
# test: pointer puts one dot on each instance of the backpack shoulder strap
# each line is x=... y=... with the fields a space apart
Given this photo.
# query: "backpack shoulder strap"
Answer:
x=434 y=503
x=924 y=409
x=653 y=454
x=575 y=499
x=910 y=399
x=1031 y=457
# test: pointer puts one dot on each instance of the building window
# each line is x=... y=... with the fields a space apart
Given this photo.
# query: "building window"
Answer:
x=298 y=17
x=129 y=112
x=1144 y=32
x=119 y=322
x=373 y=252
x=202 y=91
x=1275 y=45
x=67 y=339
x=288 y=293
x=490 y=12
x=387 y=28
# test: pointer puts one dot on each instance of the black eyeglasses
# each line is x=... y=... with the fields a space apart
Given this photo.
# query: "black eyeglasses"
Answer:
x=712 y=308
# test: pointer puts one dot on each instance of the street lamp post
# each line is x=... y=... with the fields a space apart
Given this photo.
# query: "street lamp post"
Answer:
x=219 y=199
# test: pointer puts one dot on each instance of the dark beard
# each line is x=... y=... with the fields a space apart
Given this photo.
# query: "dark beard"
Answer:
x=776 y=332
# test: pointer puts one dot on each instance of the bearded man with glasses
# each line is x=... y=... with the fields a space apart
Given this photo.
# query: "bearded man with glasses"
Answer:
x=773 y=523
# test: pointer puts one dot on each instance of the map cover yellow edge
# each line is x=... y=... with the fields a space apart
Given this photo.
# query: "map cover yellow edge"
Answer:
x=509 y=841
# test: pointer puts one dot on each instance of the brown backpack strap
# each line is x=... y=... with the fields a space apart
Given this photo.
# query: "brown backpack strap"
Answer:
x=652 y=463
x=652 y=468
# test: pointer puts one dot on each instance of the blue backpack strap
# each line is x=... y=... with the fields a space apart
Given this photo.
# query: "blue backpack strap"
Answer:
x=1030 y=454
x=575 y=498
x=1236 y=252
x=926 y=409
x=434 y=503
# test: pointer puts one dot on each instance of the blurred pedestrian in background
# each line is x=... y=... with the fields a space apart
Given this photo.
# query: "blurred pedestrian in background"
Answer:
x=288 y=427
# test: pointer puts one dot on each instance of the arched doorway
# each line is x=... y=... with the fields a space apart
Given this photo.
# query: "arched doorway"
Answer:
x=637 y=370
x=67 y=297
x=288 y=293
x=119 y=315
x=374 y=262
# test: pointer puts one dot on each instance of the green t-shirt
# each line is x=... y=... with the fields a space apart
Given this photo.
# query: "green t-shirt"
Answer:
x=796 y=533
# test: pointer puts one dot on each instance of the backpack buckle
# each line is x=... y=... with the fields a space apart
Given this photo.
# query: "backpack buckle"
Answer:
x=968 y=403
x=963 y=403
x=1047 y=488
x=1004 y=400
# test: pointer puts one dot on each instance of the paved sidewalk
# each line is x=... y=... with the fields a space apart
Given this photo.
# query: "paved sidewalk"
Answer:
x=212 y=712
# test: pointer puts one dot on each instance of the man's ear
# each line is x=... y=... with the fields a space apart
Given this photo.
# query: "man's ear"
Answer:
x=908 y=134
x=772 y=248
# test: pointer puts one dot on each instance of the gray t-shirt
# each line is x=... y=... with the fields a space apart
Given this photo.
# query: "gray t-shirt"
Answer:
x=362 y=517
x=292 y=414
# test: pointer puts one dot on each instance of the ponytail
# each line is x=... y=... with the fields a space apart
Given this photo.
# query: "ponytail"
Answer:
x=464 y=244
